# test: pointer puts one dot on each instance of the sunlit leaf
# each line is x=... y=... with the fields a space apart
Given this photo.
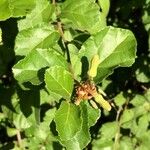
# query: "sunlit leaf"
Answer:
x=68 y=120
x=42 y=12
x=28 y=69
x=38 y=37
x=59 y=81
x=15 y=8
x=83 y=15
x=119 y=52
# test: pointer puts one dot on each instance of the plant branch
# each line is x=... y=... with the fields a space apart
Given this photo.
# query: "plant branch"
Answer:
x=59 y=26
x=65 y=42
x=19 y=139
x=117 y=136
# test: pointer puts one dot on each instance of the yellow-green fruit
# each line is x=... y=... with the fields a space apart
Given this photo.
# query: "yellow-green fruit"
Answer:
x=94 y=65
x=100 y=100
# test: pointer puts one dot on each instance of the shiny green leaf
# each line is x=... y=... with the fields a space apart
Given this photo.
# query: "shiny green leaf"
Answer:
x=38 y=37
x=82 y=15
x=13 y=8
x=42 y=13
x=28 y=69
x=59 y=81
x=68 y=120
x=115 y=47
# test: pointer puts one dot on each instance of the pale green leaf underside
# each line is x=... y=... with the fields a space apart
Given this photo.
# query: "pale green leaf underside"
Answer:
x=37 y=37
x=68 y=120
x=59 y=81
x=28 y=69
x=15 y=8
x=83 y=15
x=41 y=13
x=115 y=47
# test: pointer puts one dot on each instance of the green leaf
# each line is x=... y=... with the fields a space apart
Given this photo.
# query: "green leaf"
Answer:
x=108 y=130
x=59 y=81
x=28 y=68
x=142 y=69
x=20 y=121
x=126 y=143
x=48 y=97
x=38 y=37
x=42 y=131
x=138 y=100
x=142 y=125
x=68 y=120
x=9 y=8
x=75 y=61
x=115 y=47
x=15 y=113
x=11 y=131
x=120 y=99
x=144 y=140
x=102 y=144
x=41 y=13
x=104 y=4
x=93 y=115
x=82 y=138
x=82 y=15
x=127 y=116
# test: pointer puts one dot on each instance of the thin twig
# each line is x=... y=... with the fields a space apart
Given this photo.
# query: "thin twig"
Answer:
x=19 y=139
x=117 y=136
x=65 y=42
x=59 y=25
